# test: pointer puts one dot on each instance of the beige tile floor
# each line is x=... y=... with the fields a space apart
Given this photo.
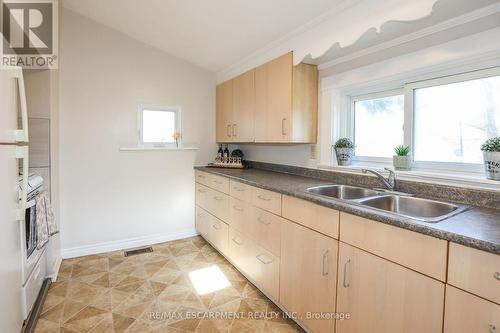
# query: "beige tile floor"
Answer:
x=153 y=292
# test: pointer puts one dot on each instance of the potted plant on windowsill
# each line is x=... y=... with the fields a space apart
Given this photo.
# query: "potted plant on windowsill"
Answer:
x=344 y=148
x=402 y=159
x=491 y=155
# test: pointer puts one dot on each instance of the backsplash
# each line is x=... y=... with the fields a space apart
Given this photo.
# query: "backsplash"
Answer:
x=474 y=197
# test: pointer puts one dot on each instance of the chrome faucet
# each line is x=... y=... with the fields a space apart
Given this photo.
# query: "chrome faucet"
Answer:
x=389 y=182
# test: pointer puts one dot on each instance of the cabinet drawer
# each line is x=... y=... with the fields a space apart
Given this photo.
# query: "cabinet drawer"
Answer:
x=239 y=249
x=202 y=178
x=422 y=253
x=202 y=221
x=219 y=183
x=218 y=234
x=218 y=205
x=475 y=271
x=267 y=200
x=264 y=269
x=240 y=214
x=318 y=218
x=240 y=191
x=466 y=313
x=201 y=195
x=265 y=229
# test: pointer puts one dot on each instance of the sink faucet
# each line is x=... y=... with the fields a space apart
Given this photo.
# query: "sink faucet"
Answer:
x=389 y=182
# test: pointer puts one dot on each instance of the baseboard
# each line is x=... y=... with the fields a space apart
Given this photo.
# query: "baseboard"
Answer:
x=86 y=250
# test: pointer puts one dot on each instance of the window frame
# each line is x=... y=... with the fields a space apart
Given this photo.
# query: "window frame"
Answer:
x=140 y=124
x=407 y=88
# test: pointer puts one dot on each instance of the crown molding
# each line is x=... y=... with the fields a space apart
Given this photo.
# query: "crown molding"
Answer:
x=449 y=24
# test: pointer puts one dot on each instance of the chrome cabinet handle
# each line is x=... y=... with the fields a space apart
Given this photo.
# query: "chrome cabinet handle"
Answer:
x=218 y=181
x=262 y=258
x=234 y=130
x=202 y=191
x=218 y=198
x=262 y=198
x=497 y=276
x=324 y=269
x=346 y=283
x=283 y=131
x=236 y=241
x=228 y=130
x=260 y=220
x=216 y=227
x=201 y=176
x=238 y=189
x=239 y=209
x=493 y=329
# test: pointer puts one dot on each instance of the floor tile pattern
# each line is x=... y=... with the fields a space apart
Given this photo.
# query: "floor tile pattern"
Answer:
x=152 y=293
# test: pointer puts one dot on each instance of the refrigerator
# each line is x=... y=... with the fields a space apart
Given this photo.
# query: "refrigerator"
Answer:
x=13 y=160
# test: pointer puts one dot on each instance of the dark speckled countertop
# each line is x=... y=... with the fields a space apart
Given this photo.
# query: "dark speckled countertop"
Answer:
x=477 y=227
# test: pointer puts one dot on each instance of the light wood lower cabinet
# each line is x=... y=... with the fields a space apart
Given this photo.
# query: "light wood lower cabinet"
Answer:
x=383 y=297
x=466 y=313
x=213 y=229
x=308 y=275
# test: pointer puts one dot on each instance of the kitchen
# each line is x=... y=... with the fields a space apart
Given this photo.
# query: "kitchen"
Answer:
x=332 y=169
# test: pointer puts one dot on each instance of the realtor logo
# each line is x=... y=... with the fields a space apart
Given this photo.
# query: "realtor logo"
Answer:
x=29 y=34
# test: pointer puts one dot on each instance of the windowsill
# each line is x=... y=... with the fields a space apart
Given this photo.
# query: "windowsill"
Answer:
x=467 y=180
x=158 y=148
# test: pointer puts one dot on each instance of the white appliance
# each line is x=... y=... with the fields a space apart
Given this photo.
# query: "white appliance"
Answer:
x=13 y=150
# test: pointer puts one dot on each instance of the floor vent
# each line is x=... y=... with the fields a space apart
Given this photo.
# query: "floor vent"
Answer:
x=138 y=251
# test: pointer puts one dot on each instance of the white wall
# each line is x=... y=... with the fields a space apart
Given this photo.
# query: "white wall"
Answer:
x=108 y=197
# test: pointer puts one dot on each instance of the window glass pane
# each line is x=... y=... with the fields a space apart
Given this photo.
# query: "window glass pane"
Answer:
x=453 y=120
x=158 y=126
x=378 y=126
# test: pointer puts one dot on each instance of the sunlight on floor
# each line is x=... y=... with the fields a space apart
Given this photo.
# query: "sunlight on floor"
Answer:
x=208 y=280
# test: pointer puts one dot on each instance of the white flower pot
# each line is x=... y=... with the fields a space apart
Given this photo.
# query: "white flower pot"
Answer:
x=344 y=156
x=402 y=162
x=492 y=164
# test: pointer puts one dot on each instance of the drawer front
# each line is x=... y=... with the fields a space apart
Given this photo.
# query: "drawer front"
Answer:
x=422 y=253
x=265 y=229
x=318 y=218
x=203 y=219
x=466 y=313
x=218 y=205
x=32 y=287
x=475 y=271
x=240 y=214
x=203 y=178
x=267 y=200
x=219 y=183
x=240 y=191
x=218 y=234
x=264 y=270
x=201 y=195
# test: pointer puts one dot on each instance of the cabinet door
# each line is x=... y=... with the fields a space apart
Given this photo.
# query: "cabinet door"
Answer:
x=308 y=273
x=243 y=107
x=260 y=128
x=224 y=111
x=382 y=297
x=466 y=313
x=279 y=98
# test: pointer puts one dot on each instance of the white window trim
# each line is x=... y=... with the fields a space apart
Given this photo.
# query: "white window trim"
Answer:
x=178 y=124
x=408 y=86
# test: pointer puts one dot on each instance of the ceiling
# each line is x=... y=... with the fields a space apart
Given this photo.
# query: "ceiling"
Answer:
x=212 y=34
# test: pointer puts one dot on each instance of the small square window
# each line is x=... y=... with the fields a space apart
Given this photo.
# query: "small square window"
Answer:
x=158 y=125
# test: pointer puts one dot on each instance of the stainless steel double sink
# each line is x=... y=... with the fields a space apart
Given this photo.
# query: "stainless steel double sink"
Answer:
x=430 y=211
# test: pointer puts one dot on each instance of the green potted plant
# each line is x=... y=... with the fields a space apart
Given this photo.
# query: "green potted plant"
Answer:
x=491 y=155
x=344 y=148
x=402 y=159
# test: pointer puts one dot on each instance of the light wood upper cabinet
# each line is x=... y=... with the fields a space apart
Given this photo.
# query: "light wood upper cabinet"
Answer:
x=382 y=297
x=273 y=103
x=224 y=111
x=243 y=107
x=308 y=274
